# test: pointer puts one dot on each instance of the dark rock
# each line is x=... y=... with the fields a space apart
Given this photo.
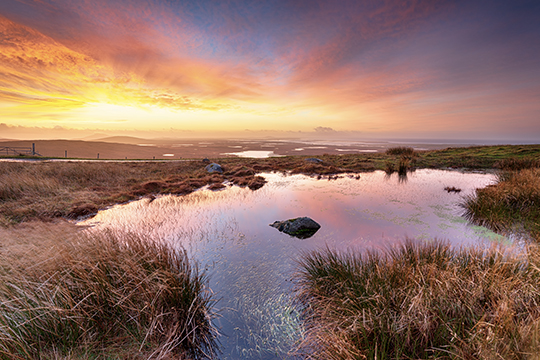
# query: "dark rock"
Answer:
x=213 y=167
x=314 y=160
x=302 y=227
x=206 y=161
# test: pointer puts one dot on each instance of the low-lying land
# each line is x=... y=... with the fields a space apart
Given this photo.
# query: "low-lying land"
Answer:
x=69 y=295
x=48 y=190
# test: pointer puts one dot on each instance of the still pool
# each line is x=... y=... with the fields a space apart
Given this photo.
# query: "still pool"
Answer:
x=251 y=265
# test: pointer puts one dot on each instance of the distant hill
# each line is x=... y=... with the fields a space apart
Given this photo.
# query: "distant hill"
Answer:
x=124 y=140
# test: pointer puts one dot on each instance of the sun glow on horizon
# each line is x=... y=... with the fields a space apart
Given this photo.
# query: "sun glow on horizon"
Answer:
x=351 y=67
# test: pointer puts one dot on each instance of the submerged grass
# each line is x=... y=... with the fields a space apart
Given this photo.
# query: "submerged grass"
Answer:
x=99 y=295
x=420 y=301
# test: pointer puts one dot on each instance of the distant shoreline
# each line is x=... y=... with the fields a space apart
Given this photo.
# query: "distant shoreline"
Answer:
x=146 y=149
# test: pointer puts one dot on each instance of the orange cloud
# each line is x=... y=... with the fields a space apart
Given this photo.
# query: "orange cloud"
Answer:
x=42 y=75
x=352 y=65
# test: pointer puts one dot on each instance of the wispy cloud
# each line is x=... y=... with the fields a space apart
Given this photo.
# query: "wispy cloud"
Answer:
x=353 y=65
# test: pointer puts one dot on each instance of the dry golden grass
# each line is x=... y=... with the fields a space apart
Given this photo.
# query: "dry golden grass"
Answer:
x=512 y=204
x=69 y=294
x=48 y=190
x=421 y=301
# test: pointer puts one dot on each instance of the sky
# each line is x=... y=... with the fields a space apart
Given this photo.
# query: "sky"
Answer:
x=364 y=68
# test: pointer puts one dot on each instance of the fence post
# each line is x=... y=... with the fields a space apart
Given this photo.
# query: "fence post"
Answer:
x=65 y=154
x=33 y=149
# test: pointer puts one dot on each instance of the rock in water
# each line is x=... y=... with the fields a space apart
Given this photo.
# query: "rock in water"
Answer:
x=213 y=167
x=302 y=227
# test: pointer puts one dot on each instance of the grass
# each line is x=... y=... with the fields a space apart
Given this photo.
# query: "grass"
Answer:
x=420 y=301
x=121 y=296
x=476 y=157
x=99 y=295
x=512 y=204
x=49 y=190
x=405 y=163
x=401 y=150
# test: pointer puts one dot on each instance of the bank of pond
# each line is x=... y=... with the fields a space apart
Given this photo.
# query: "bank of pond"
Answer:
x=400 y=268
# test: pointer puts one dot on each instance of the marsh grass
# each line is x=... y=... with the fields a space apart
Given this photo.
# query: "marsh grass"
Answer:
x=401 y=150
x=516 y=164
x=48 y=190
x=477 y=157
x=420 y=301
x=100 y=294
x=511 y=204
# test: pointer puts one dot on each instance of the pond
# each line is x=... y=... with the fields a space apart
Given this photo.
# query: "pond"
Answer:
x=251 y=265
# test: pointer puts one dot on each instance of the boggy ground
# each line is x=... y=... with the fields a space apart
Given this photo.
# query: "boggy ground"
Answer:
x=63 y=297
x=426 y=300
x=49 y=190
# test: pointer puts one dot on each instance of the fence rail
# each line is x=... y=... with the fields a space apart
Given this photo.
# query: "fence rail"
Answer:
x=19 y=150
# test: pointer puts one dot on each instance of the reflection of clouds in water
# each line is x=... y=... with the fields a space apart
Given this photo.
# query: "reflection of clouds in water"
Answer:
x=347 y=209
x=201 y=215
x=250 y=263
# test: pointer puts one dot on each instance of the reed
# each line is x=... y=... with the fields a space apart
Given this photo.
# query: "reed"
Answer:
x=420 y=301
x=100 y=294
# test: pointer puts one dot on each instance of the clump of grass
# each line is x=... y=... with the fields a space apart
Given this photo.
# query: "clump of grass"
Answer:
x=512 y=204
x=401 y=150
x=407 y=159
x=389 y=168
x=420 y=301
x=89 y=293
x=516 y=164
x=404 y=165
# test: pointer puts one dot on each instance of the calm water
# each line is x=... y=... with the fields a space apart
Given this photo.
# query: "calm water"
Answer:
x=251 y=264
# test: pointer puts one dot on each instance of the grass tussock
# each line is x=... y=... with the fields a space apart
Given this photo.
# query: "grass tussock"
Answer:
x=99 y=294
x=421 y=301
x=512 y=204
x=401 y=150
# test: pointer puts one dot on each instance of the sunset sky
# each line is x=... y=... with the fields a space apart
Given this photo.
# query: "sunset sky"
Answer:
x=378 y=68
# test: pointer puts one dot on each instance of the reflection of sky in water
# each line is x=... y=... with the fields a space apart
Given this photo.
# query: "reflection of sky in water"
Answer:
x=250 y=263
x=254 y=154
